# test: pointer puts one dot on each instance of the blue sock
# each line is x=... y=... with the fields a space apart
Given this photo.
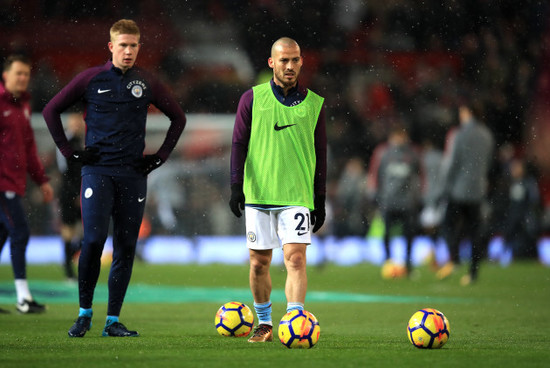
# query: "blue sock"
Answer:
x=263 y=310
x=294 y=306
x=110 y=320
x=85 y=312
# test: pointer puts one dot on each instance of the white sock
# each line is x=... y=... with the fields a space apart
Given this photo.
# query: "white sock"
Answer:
x=22 y=290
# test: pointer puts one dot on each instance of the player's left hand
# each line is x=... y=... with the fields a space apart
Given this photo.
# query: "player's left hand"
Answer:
x=319 y=214
x=47 y=192
x=148 y=163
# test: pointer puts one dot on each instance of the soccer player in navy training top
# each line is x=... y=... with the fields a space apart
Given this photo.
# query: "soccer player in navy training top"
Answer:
x=114 y=173
x=278 y=176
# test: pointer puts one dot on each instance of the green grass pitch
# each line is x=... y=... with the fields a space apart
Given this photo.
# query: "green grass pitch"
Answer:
x=502 y=321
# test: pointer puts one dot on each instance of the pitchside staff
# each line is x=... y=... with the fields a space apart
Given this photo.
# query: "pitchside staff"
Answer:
x=465 y=188
x=114 y=174
x=18 y=157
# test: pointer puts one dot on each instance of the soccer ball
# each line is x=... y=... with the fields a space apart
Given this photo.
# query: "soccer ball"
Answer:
x=428 y=329
x=234 y=319
x=299 y=329
x=392 y=270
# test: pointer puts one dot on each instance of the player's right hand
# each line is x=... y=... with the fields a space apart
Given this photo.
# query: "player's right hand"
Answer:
x=148 y=163
x=236 y=203
x=89 y=156
x=319 y=214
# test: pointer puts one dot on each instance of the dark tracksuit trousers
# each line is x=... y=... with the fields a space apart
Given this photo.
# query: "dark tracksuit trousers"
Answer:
x=408 y=221
x=102 y=198
x=463 y=220
x=13 y=224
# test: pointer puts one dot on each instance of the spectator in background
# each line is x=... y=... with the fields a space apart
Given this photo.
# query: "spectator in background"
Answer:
x=465 y=187
x=395 y=178
x=69 y=195
x=522 y=217
x=18 y=157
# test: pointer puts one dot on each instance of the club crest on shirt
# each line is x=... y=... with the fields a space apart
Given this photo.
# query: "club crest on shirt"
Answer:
x=136 y=87
x=251 y=236
x=137 y=91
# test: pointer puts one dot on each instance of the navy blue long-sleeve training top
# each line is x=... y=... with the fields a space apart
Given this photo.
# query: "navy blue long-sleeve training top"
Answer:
x=116 y=112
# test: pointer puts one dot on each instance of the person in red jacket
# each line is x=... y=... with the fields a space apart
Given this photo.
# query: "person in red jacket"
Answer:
x=18 y=157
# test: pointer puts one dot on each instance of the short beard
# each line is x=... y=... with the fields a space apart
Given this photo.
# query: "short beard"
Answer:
x=287 y=84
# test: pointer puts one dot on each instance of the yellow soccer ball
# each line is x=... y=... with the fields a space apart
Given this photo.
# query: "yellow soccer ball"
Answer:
x=234 y=319
x=299 y=329
x=392 y=270
x=428 y=329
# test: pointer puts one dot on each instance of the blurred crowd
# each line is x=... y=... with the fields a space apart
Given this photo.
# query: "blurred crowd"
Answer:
x=377 y=63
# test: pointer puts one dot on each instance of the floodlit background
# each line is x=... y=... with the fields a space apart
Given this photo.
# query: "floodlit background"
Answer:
x=374 y=62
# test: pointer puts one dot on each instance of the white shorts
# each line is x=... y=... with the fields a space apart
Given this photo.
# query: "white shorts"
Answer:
x=269 y=229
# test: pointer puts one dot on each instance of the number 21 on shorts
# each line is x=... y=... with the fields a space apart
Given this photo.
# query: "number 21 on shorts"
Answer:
x=303 y=223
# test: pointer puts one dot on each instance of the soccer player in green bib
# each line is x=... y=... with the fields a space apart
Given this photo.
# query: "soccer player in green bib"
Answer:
x=278 y=177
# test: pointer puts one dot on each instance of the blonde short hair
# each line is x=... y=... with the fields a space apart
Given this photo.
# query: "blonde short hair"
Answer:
x=124 y=26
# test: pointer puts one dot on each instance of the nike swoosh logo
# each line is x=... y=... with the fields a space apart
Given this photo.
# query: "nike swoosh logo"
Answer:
x=99 y=90
x=141 y=199
x=281 y=127
x=302 y=233
x=7 y=113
